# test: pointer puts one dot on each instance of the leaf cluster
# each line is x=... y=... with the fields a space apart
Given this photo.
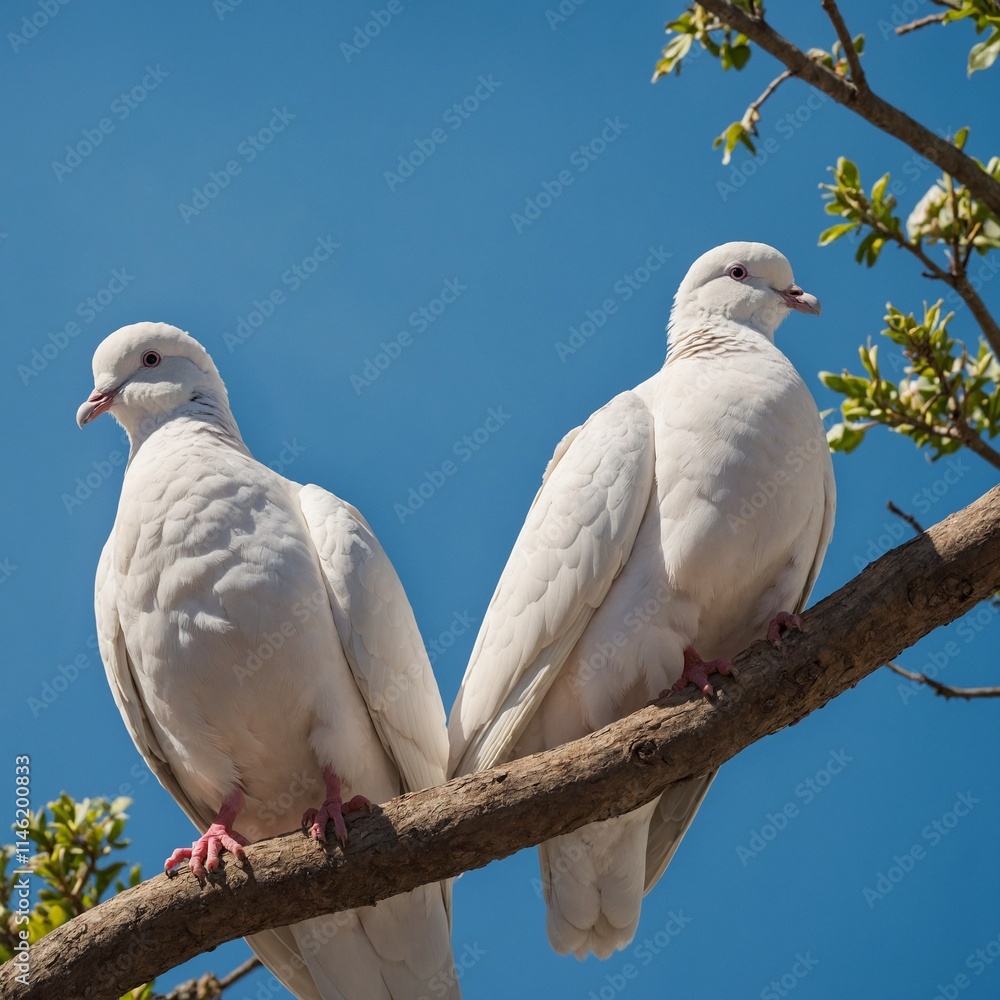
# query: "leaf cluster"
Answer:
x=75 y=863
x=945 y=395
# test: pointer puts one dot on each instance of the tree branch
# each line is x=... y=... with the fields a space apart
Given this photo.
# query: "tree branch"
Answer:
x=443 y=831
x=754 y=106
x=921 y=22
x=945 y=690
x=853 y=59
x=908 y=518
x=863 y=102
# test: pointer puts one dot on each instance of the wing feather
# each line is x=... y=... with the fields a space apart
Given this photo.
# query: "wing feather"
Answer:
x=577 y=536
x=380 y=638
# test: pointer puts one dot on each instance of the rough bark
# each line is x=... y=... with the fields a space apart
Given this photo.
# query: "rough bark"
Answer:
x=862 y=101
x=473 y=820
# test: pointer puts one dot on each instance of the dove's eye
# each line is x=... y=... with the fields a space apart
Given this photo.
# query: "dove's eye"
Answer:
x=737 y=272
x=150 y=359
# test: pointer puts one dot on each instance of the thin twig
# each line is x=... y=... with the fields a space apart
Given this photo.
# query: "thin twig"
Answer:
x=853 y=59
x=240 y=971
x=208 y=985
x=920 y=22
x=769 y=90
x=945 y=690
x=908 y=518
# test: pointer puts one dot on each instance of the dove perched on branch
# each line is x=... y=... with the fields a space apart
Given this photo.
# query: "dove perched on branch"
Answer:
x=265 y=659
x=683 y=520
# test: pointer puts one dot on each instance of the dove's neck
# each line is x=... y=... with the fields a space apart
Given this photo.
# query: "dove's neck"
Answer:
x=205 y=412
x=694 y=331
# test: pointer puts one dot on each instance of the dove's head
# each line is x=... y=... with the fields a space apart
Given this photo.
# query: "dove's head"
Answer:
x=147 y=372
x=747 y=283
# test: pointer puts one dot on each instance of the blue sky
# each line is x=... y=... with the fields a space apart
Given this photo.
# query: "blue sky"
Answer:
x=235 y=169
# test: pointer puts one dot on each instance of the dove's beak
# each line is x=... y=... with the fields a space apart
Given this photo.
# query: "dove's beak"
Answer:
x=800 y=301
x=97 y=403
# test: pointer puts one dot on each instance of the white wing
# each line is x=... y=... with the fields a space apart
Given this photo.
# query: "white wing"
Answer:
x=826 y=532
x=577 y=536
x=380 y=638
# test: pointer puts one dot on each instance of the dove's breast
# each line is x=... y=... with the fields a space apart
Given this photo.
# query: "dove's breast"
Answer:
x=227 y=621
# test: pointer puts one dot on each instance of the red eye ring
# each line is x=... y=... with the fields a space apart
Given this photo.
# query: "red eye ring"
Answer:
x=150 y=359
x=737 y=272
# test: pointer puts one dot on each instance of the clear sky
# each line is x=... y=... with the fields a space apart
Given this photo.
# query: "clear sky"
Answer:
x=359 y=235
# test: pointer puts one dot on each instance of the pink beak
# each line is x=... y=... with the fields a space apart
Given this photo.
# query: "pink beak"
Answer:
x=97 y=403
x=800 y=301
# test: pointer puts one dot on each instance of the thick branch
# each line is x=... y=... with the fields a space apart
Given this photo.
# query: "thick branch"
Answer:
x=443 y=831
x=864 y=102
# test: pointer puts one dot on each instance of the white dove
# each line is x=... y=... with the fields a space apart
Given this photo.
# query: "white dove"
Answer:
x=265 y=659
x=678 y=522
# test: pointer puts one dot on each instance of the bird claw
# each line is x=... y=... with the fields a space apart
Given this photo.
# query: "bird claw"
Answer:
x=333 y=810
x=203 y=855
x=783 y=622
x=696 y=671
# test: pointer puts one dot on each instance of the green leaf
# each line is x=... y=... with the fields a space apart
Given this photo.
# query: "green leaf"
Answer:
x=983 y=55
x=835 y=232
x=739 y=54
x=847 y=173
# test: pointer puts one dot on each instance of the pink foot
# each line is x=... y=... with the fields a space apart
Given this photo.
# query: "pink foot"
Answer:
x=332 y=810
x=783 y=622
x=696 y=671
x=203 y=854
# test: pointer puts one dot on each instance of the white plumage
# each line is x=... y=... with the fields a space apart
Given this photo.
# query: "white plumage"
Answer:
x=676 y=523
x=256 y=639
